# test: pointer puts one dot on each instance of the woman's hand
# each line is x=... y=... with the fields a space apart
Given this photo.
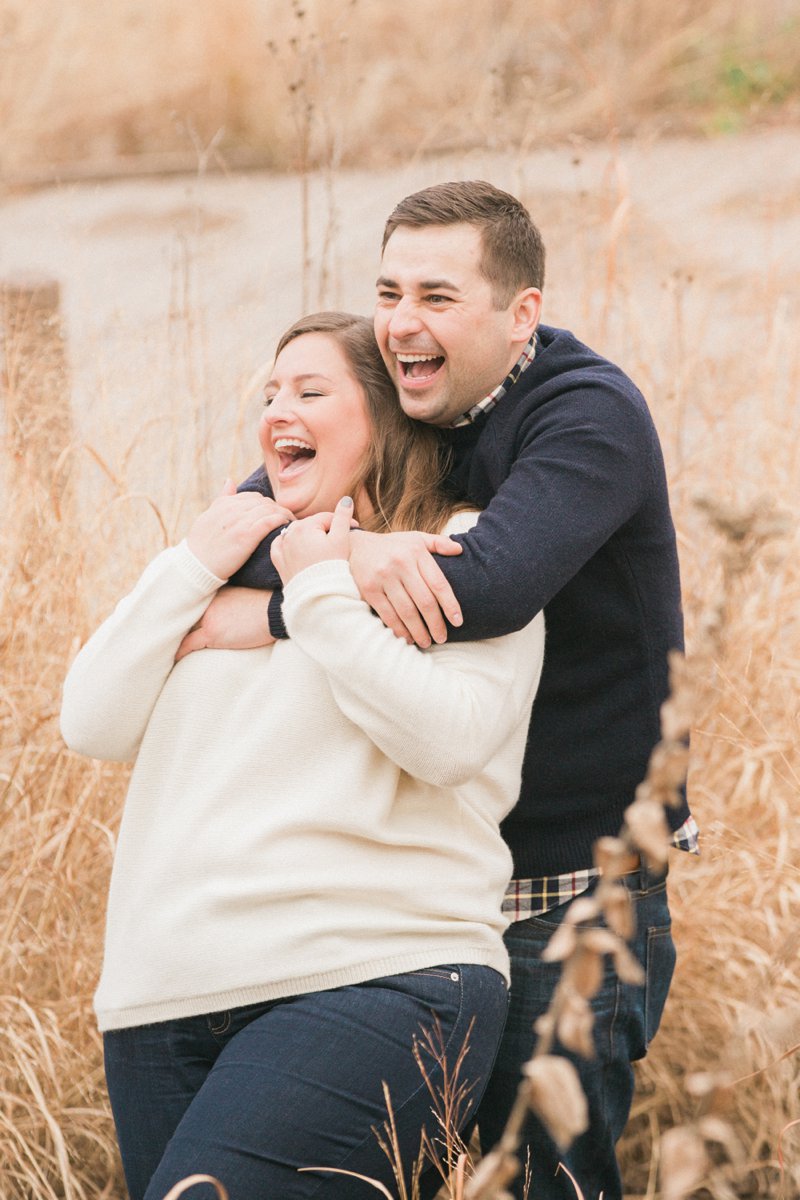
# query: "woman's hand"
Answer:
x=314 y=539
x=227 y=533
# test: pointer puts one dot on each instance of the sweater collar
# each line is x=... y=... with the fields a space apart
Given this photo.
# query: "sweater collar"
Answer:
x=485 y=406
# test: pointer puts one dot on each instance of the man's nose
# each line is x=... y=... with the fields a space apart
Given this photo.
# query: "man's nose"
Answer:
x=405 y=319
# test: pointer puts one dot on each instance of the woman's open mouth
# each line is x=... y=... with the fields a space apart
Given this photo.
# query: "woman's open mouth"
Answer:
x=294 y=456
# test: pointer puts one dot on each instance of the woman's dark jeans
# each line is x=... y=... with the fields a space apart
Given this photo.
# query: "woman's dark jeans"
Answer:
x=252 y=1095
x=626 y=1017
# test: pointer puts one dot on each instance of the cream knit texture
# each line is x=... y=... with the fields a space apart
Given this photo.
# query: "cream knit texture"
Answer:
x=301 y=816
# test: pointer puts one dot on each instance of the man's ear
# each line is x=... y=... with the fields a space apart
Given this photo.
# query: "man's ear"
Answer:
x=526 y=309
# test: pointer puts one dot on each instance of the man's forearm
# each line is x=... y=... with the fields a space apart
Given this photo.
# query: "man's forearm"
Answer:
x=258 y=571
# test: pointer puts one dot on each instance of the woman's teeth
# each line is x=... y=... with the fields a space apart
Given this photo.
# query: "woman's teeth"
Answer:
x=293 y=452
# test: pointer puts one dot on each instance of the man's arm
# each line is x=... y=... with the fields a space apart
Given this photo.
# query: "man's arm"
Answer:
x=573 y=484
x=569 y=489
x=258 y=571
x=242 y=616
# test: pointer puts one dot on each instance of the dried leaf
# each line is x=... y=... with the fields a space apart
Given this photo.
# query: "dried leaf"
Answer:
x=648 y=828
x=561 y=944
x=609 y=853
x=715 y=1129
x=668 y=764
x=618 y=910
x=545 y=1025
x=492 y=1173
x=706 y=1083
x=583 y=971
x=582 y=908
x=601 y=941
x=627 y=965
x=574 y=1024
x=555 y=1095
x=684 y=1162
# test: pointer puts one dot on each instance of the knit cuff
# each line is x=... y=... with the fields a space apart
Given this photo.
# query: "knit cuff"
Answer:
x=277 y=627
x=195 y=571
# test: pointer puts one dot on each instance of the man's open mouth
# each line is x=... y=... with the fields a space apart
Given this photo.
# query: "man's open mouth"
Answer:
x=294 y=456
x=419 y=367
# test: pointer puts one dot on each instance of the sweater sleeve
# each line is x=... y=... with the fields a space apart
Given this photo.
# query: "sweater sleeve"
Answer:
x=578 y=475
x=440 y=714
x=115 y=681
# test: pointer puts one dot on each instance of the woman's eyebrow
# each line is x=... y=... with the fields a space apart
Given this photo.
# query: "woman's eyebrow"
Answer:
x=299 y=379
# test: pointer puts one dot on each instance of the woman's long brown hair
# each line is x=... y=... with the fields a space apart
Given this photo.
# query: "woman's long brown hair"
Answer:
x=406 y=463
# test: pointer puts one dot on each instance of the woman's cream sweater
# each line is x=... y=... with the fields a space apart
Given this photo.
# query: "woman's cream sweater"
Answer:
x=301 y=816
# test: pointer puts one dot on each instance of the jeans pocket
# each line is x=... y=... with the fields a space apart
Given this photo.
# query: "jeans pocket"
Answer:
x=659 y=967
x=438 y=973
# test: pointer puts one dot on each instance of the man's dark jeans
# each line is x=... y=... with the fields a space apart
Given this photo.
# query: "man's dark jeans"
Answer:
x=626 y=1018
x=254 y=1094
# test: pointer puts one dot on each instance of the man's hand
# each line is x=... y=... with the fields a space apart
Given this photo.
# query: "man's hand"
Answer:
x=398 y=578
x=236 y=619
x=227 y=533
x=314 y=539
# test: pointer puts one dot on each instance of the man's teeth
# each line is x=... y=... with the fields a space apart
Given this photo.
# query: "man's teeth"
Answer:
x=420 y=366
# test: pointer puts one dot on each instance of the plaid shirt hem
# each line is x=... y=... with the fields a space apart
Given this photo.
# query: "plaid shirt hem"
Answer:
x=532 y=897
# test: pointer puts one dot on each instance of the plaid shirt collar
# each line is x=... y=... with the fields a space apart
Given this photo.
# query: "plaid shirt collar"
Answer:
x=487 y=404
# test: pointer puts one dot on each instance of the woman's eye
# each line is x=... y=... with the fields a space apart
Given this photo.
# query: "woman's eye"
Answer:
x=268 y=400
x=309 y=394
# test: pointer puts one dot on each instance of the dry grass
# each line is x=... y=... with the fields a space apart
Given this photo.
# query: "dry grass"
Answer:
x=108 y=79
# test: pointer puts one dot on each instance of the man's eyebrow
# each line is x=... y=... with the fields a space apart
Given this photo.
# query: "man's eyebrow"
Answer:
x=425 y=285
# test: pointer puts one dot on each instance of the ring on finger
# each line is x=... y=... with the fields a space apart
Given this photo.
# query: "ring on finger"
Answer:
x=285 y=530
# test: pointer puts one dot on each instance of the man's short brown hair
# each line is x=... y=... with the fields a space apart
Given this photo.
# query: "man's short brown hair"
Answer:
x=513 y=250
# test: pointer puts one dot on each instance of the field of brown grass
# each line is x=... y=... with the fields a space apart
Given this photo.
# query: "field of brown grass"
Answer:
x=680 y=259
x=84 y=86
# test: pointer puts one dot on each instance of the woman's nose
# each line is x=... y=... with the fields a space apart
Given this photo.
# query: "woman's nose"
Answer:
x=277 y=410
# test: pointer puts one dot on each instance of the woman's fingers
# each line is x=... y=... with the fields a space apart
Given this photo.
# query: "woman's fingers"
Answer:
x=227 y=533
x=314 y=539
x=339 y=531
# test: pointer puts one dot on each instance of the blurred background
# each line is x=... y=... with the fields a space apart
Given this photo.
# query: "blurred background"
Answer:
x=87 y=86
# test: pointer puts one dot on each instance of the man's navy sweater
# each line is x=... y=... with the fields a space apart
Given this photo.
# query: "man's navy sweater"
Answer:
x=569 y=472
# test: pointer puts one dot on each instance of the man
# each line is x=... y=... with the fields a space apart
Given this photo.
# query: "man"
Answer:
x=558 y=447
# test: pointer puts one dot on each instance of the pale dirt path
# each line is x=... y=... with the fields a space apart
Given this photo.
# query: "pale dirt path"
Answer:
x=208 y=270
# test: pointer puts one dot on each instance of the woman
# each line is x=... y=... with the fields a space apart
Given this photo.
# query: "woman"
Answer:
x=309 y=868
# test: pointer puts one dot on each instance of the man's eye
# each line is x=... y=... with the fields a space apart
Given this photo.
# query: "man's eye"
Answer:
x=435 y=299
x=388 y=297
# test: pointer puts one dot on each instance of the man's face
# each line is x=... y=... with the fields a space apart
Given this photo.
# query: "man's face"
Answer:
x=445 y=344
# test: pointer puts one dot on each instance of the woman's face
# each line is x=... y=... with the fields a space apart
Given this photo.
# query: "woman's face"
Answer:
x=315 y=431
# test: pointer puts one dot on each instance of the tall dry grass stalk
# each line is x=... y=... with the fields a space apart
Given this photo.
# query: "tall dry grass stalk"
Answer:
x=107 y=80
